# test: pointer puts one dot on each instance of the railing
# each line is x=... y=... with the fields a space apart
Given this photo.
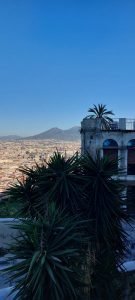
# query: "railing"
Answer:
x=122 y=124
x=130 y=124
x=116 y=124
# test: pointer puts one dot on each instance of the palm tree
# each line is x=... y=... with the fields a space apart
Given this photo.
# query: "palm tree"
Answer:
x=26 y=193
x=87 y=189
x=100 y=112
x=60 y=182
x=103 y=207
x=49 y=257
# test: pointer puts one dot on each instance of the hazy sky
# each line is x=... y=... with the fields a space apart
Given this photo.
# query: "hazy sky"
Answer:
x=57 y=58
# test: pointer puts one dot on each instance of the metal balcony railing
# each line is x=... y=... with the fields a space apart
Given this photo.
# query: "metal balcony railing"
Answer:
x=123 y=124
x=117 y=124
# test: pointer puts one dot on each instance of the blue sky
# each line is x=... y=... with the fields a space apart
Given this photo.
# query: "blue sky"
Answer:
x=57 y=58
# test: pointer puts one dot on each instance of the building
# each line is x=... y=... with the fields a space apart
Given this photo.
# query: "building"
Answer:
x=117 y=141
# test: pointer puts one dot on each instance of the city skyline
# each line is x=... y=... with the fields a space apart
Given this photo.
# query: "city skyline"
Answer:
x=57 y=58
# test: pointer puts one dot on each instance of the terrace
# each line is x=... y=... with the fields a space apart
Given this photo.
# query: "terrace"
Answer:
x=122 y=124
x=118 y=124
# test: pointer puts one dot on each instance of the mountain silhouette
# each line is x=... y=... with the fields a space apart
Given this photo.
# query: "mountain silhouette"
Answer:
x=72 y=134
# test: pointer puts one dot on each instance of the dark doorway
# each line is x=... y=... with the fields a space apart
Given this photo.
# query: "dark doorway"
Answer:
x=131 y=157
x=110 y=149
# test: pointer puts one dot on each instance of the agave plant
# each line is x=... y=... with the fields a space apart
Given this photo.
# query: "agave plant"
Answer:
x=101 y=113
x=50 y=255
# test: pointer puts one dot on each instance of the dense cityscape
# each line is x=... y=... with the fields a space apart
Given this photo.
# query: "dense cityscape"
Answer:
x=15 y=154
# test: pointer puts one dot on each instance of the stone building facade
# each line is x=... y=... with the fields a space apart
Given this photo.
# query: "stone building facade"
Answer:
x=116 y=142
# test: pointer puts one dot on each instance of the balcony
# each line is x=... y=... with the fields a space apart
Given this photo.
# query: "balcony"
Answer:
x=119 y=124
x=122 y=124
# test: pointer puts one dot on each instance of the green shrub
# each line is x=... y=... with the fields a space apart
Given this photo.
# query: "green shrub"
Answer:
x=50 y=252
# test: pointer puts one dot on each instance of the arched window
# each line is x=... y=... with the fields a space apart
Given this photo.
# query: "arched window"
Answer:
x=110 y=143
x=110 y=149
x=131 y=157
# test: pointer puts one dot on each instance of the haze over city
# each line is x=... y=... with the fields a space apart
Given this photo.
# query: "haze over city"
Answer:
x=57 y=58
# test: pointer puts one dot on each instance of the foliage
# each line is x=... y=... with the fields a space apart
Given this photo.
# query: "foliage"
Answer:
x=83 y=187
x=103 y=203
x=125 y=285
x=50 y=254
x=26 y=193
x=66 y=182
x=59 y=182
x=8 y=208
x=100 y=112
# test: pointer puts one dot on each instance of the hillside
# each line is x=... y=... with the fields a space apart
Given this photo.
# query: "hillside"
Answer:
x=72 y=134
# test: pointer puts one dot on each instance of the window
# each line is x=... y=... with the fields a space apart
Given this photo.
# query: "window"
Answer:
x=110 y=149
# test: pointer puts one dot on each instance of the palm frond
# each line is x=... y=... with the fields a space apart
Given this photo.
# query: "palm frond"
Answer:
x=49 y=253
x=100 y=112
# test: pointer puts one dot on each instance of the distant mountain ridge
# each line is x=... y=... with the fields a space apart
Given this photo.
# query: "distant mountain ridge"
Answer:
x=55 y=133
x=72 y=134
x=10 y=137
